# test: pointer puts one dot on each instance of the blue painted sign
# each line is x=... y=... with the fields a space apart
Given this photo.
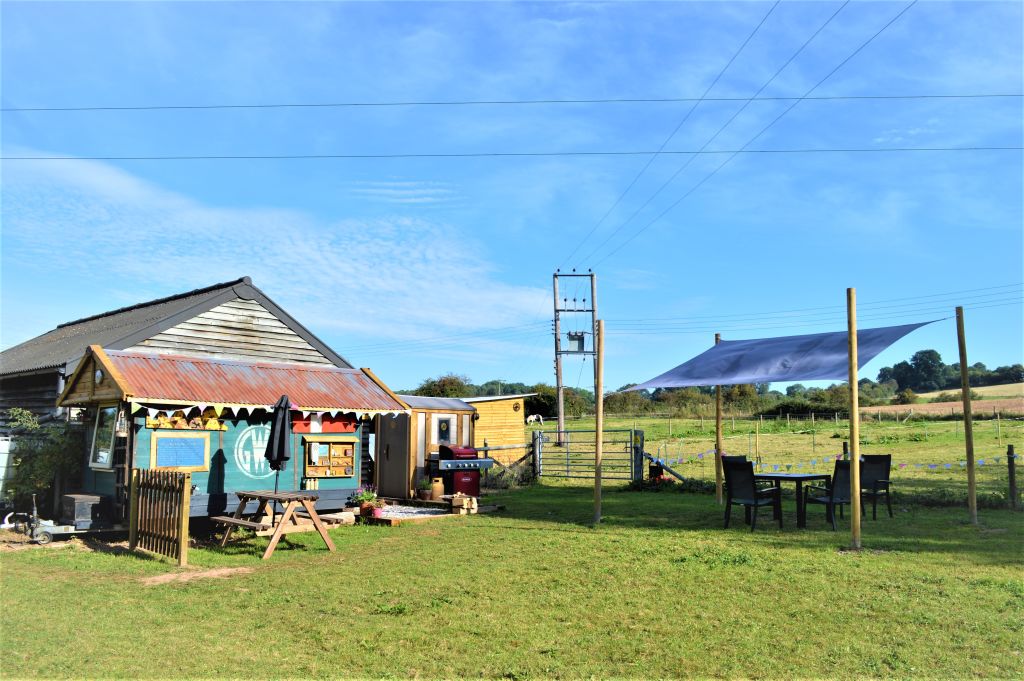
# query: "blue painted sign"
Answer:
x=181 y=452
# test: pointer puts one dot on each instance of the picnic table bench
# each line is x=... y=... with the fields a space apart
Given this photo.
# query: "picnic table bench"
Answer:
x=296 y=505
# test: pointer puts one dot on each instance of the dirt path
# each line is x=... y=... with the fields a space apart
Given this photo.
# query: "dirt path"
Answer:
x=178 y=577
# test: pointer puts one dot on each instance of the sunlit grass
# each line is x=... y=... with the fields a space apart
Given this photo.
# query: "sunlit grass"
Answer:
x=659 y=589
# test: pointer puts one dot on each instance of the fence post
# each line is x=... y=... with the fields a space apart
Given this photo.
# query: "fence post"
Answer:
x=638 y=455
x=538 y=445
x=1011 y=461
x=186 y=497
x=133 y=511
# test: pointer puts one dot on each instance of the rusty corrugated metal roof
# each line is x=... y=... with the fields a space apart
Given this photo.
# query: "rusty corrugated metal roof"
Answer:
x=219 y=381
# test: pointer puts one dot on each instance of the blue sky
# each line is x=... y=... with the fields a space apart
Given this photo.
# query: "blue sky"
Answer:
x=416 y=267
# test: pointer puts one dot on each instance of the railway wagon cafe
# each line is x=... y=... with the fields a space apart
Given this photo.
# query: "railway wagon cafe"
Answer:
x=211 y=417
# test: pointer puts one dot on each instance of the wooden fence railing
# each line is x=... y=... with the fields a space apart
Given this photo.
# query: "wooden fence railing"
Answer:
x=159 y=513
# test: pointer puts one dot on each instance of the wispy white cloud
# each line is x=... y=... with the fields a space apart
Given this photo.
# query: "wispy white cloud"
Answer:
x=406 y=192
x=358 y=281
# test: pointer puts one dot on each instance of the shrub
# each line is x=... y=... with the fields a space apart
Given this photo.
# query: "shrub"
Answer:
x=41 y=453
x=906 y=396
x=954 y=397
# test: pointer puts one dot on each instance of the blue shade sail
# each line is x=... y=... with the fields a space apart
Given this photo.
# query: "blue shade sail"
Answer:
x=818 y=356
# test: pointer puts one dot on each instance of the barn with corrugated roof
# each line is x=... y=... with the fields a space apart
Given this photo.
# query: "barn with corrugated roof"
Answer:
x=187 y=383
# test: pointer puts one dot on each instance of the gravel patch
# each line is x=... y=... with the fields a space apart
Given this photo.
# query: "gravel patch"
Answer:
x=400 y=512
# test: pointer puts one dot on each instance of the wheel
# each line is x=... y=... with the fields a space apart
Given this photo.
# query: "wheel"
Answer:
x=43 y=538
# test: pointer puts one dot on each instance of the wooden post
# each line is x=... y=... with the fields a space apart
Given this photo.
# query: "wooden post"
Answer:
x=999 y=431
x=185 y=496
x=1011 y=462
x=757 y=440
x=851 y=322
x=814 y=435
x=599 y=418
x=133 y=511
x=965 y=393
x=719 y=494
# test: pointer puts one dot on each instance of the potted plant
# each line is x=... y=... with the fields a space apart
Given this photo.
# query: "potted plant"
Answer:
x=423 y=489
x=378 y=508
x=365 y=498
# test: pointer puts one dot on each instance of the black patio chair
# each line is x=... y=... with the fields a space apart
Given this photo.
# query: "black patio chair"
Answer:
x=835 y=493
x=735 y=458
x=741 y=490
x=874 y=481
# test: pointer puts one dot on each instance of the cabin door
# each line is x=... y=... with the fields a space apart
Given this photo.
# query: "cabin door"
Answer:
x=393 y=474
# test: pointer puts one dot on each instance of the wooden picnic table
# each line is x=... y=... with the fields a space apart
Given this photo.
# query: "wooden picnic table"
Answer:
x=291 y=502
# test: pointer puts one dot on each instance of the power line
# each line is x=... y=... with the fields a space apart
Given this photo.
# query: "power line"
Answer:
x=816 y=311
x=763 y=130
x=492 y=102
x=817 y=320
x=860 y=304
x=725 y=125
x=820 y=323
x=671 y=134
x=509 y=154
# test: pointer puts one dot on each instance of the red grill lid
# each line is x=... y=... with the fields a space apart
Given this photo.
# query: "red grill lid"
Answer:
x=457 y=452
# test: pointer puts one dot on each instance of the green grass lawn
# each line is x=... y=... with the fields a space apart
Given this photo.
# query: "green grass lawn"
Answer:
x=658 y=590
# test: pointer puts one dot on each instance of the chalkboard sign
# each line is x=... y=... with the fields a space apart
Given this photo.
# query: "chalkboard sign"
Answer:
x=180 y=451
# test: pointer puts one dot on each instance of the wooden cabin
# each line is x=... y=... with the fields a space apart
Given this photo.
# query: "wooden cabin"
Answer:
x=501 y=423
x=406 y=443
x=232 y=321
x=211 y=417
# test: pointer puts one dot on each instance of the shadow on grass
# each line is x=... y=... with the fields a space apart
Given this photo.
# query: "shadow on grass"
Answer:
x=914 y=529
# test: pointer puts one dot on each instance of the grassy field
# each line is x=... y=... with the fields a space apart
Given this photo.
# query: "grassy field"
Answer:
x=658 y=590
x=987 y=392
x=921 y=449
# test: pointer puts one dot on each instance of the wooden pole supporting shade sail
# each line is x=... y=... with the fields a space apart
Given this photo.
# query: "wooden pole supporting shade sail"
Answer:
x=965 y=394
x=599 y=419
x=718 y=437
x=851 y=321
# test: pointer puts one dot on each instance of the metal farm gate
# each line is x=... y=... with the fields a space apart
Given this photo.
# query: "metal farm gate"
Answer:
x=570 y=454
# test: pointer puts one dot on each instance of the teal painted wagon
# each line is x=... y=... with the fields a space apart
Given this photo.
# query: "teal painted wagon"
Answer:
x=211 y=417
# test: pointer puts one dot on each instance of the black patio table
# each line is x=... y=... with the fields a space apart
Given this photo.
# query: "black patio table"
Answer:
x=799 y=479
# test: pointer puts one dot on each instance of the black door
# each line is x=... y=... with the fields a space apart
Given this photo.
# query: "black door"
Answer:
x=393 y=475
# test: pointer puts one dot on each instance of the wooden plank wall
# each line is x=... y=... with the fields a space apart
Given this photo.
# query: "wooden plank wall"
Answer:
x=239 y=329
x=501 y=424
x=36 y=393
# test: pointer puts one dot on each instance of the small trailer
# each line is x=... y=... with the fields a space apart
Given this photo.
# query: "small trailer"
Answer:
x=85 y=509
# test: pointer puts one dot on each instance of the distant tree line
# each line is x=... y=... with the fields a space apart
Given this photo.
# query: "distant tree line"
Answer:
x=926 y=372
x=577 y=401
x=898 y=384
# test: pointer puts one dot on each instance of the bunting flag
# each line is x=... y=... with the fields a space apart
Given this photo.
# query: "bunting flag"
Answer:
x=797 y=466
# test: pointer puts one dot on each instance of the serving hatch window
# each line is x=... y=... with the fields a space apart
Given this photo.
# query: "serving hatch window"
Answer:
x=102 y=453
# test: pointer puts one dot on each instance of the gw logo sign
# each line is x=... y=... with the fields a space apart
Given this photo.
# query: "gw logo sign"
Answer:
x=249 y=452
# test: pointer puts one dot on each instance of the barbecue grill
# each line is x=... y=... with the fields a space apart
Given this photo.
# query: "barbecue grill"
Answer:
x=460 y=469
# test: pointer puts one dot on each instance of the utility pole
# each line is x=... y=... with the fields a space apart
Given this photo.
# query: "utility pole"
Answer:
x=577 y=344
